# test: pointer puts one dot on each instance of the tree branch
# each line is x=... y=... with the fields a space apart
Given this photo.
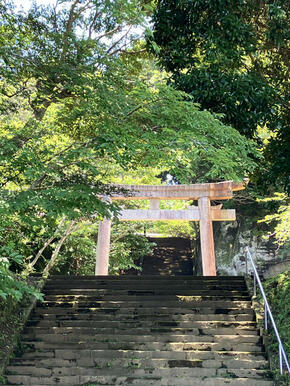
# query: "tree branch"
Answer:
x=35 y=184
x=134 y=52
x=68 y=30
x=140 y=106
x=119 y=40
x=117 y=29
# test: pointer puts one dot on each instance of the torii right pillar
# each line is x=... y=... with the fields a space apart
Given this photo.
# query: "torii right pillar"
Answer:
x=206 y=237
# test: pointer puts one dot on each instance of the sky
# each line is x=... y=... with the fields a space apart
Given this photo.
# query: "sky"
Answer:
x=27 y=3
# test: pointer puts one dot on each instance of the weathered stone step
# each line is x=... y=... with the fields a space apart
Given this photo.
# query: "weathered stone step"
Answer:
x=147 y=381
x=93 y=334
x=219 y=279
x=68 y=366
x=183 y=303
x=76 y=325
x=117 y=366
x=119 y=339
x=141 y=285
x=80 y=350
x=107 y=310
x=49 y=319
x=146 y=285
x=91 y=366
x=91 y=294
x=129 y=345
x=87 y=287
x=242 y=373
x=148 y=280
x=90 y=357
x=90 y=301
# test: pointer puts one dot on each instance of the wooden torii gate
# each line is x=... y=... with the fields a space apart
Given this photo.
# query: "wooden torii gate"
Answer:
x=204 y=213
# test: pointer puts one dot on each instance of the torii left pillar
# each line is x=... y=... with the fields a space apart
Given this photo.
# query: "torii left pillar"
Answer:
x=103 y=248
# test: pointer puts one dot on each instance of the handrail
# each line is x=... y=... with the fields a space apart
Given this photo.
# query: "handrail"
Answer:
x=268 y=313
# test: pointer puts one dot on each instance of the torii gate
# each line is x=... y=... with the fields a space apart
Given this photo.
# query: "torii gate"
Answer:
x=204 y=213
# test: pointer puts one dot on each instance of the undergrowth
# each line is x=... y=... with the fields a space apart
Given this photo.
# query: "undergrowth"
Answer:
x=15 y=301
x=278 y=294
x=11 y=322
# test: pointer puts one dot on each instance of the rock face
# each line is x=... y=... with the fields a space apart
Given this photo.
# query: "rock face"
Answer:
x=231 y=239
x=274 y=267
x=142 y=330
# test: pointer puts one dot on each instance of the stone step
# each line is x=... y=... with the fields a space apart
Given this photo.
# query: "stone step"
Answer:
x=205 y=360
x=79 y=357
x=94 y=334
x=135 y=322
x=76 y=350
x=194 y=368
x=153 y=279
x=129 y=345
x=88 y=294
x=158 y=299
x=140 y=285
x=147 y=381
x=106 y=310
x=219 y=279
x=183 y=303
x=48 y=319
x=62 y=326
x=68 y=366
x=141 y=290
x=119 y=339
x=147 y=284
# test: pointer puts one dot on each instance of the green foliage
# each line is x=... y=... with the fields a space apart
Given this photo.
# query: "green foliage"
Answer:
x=127 y=252
x=172 y=229
x=12 y=286
x=278 y=293
x=149 y=124
x=232 y=57
x=280 y=219
x=49 y=52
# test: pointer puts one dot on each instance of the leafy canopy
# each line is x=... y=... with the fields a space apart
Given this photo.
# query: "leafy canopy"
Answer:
x=232 y=57
x=78 y=92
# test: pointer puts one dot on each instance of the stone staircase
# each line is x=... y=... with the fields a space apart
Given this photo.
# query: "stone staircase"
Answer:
x=142 y=330
x=171 y=256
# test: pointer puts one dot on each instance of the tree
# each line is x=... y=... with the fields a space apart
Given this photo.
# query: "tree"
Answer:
x=50 y=52
x=73 y=101
x=232 y=57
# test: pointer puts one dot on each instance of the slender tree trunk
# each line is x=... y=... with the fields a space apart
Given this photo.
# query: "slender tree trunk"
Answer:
x=54 y=256
x=46 y=244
